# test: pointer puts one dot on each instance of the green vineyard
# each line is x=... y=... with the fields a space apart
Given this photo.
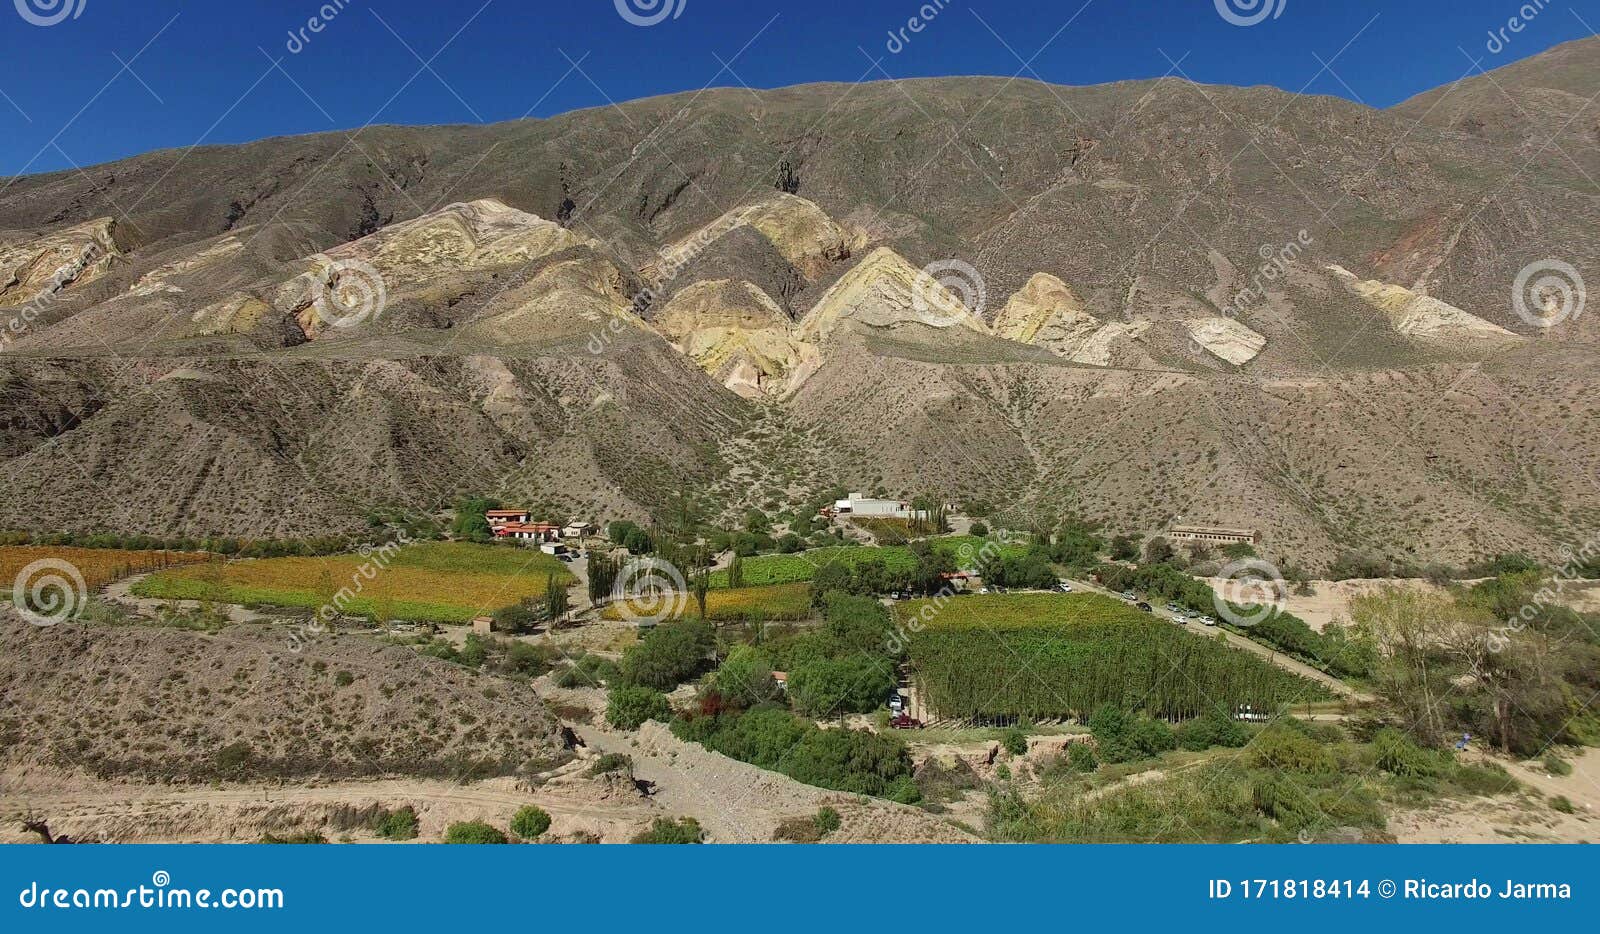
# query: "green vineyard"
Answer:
x=1045 y=657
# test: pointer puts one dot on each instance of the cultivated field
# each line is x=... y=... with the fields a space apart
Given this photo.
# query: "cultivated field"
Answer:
x=776 y=602
x=449 y=582
x=795 y=568
x=1054 y=655
x=99 y=566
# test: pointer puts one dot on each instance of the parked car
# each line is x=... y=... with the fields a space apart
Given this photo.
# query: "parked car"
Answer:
x=1129 y=595
x=1207 y=621
x=905 y=722
x=1146 y=607
x=1064 y=587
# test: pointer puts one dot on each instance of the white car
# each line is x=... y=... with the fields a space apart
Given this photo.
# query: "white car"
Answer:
x=1207 y=621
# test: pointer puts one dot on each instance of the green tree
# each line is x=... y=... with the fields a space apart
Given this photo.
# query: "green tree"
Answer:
x=745 y=678
x=555 y=597
x=628 y=708
x=470 y=522
x=736 y=572
x=835 y=687
x=700 y=586
x=669 y=654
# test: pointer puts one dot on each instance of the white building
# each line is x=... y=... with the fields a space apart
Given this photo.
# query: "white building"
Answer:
x=869 y=508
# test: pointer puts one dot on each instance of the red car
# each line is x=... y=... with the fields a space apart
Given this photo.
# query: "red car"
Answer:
x=905 y=722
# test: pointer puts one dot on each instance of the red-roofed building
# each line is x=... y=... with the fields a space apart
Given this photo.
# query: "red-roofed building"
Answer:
x=532 y=532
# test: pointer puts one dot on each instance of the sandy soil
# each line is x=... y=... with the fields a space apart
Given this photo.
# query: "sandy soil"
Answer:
x=1525 y=818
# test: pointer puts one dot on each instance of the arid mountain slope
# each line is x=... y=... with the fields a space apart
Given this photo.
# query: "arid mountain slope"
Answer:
x=1139 y=302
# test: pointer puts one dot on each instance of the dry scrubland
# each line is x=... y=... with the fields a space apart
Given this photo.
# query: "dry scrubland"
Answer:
x=449 y=582
x=161 y=705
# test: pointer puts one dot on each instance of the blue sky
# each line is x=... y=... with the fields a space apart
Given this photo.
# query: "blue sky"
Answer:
x=124 y=77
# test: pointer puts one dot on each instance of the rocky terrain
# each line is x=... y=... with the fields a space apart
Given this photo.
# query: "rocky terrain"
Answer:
x=1134 y=302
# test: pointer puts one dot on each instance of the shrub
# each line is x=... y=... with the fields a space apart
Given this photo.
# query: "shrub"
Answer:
x=530 y=822
x=1399 y=756
x=1556 y=765
x=1562 y=803
x=1081 y=758
x=588 y=671
x=1015 y=741
x=1215 y=728
x=629 y=707
x=808 y=829
x=304 y=837
x=473 y=832
x=399 y=824
x=611 y=762
x=664 y=830
x=1153 y=737
x=1284 y=748
x=344 y=679
x=979 y=529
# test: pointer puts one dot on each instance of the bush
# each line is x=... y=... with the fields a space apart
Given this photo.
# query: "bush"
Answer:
x=530 y=822
x=611 y=762
x=856 y=761
x=344 y=679
x=665 y=830
x=588 y=671
x=397 y=825
x=1562 y=803
x=1015 y=741
x=808 y=829
x=629 y=707
x=473 y=832
x=1556 y=765
x=304 y=837
x=1122 y=737
x=1283 y=748
x=979 y=529
x=1399 y=756
x=1081 y=758
x=1215 y=728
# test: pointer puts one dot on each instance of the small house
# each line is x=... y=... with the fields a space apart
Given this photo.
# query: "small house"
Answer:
x=483 y=625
